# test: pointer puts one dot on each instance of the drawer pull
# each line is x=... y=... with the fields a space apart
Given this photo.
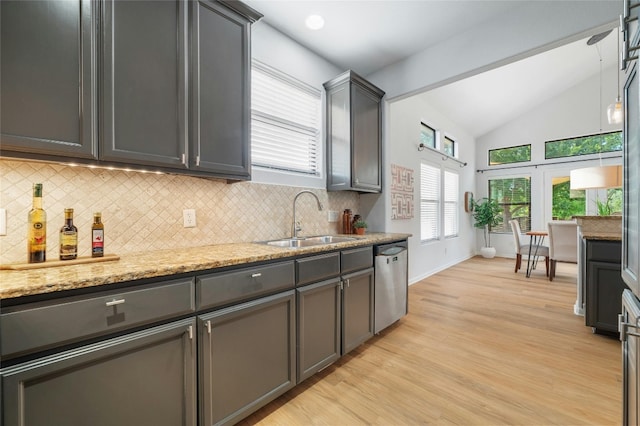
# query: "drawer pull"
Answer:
x=115 y=302
x=256 y=275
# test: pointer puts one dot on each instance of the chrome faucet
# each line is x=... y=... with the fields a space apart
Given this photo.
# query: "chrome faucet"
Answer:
x=295 y=227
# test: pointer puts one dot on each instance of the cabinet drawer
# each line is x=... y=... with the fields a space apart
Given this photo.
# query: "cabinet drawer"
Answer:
x=226 y=287
x=356 y=259
x=605 y=251
x=40 y=326
x=317 y=268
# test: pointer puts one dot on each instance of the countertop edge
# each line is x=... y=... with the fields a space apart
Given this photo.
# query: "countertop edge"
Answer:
x=139 y=266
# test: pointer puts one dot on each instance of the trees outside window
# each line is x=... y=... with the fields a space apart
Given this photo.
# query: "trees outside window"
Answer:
x=514 y=197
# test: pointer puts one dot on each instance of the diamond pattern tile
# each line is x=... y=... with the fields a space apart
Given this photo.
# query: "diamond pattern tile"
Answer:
x=143 y=211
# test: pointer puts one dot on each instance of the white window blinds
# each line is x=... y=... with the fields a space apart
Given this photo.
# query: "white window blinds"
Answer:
x=451 y=197
x=285 y=122
x=429 y=203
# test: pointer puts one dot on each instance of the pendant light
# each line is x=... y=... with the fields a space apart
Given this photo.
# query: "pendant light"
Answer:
x=614 y=111
x=599 y=177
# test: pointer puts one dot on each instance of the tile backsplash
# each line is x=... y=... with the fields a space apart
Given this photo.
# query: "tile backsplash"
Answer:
x=143 y=211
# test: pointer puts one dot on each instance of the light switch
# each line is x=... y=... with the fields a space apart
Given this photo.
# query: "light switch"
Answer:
x=332 y=216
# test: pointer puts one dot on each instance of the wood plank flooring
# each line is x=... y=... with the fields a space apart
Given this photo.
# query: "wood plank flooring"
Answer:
x=481 y=345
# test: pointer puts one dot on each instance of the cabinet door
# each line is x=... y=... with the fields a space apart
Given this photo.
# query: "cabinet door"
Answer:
x=357 y=309
x=631 y=216
x=144 y=378
x=318 y=326
x=221 y=67
x=47 y=89
x=604 y=293
x=367 y=142
x=144 y=83
x=247 y=357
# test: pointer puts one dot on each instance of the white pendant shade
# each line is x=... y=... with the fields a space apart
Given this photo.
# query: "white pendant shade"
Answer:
x=614 y=112
x=596 y=177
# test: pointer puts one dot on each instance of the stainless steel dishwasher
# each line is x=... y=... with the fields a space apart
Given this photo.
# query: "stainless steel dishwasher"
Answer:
x=391 y=284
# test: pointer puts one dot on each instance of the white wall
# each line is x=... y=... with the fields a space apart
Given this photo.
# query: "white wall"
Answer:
x=570 y=114
x=273 y=48
x=403 y=131
x=525 y=30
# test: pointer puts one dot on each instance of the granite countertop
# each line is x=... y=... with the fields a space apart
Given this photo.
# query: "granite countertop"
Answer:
x=601 y=236
x=136 y=266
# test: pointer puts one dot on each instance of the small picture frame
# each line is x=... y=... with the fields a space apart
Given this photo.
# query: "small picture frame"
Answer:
x=468 y=201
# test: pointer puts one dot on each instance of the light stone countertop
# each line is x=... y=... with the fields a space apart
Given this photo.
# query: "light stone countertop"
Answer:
x=136 y=266
x=601 y=236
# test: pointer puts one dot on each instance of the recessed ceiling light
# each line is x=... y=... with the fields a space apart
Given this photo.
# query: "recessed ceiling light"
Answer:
x=314 y=22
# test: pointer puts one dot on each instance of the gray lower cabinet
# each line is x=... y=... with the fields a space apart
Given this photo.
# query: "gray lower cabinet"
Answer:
x=246 y=357
x=47 y=90
x=142 y=378
x=319 y=316
x=357 y=308
x=144 y=82
x=604 y=285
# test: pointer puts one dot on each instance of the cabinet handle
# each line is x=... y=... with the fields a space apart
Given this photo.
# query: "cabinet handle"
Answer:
x=209 y=327
x=347 y=281
x=190 y=330
x=256 y=275
x=184 y=158
x=197 y=160
x=115 y=302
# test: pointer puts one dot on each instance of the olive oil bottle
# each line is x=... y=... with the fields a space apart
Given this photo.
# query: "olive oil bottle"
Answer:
x=68 y=237
x=97 y=236
x=37 y=228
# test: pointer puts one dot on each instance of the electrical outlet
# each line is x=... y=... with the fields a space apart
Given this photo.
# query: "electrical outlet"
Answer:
x=332 y=216
x=3 y=222
x=189 y=218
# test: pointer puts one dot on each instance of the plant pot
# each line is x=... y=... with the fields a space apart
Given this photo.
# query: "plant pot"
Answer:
x=360 y=231
x=488 y=252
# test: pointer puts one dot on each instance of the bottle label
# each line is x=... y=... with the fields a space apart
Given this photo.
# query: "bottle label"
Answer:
x=68 y=243
x=97 y=241
x=38 y=234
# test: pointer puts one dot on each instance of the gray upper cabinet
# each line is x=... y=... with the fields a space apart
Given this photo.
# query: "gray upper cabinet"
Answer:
x=144 y=85
x=220 y=87
x=354 y=134
x=47 y=89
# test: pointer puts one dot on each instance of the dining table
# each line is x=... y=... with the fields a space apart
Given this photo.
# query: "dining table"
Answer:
x=535 y=242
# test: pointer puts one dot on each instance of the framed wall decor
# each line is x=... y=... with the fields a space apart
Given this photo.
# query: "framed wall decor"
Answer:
x=468 y=201
x=401 y=192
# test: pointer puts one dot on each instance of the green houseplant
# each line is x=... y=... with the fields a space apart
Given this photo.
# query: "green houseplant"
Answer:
x=359 y=226
x=487 y=214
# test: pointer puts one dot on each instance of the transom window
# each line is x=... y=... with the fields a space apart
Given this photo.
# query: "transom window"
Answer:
x=427 y=136
x=450 y=147
x=593 y=144
x=285 y=122
x=512 y=154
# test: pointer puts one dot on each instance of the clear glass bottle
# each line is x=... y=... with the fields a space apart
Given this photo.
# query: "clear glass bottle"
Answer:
x=97 y=236
x=37 y=228
x=68 y=237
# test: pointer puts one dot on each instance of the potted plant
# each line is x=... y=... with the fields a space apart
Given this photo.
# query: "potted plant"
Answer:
x=487 y=214
x=359 y=226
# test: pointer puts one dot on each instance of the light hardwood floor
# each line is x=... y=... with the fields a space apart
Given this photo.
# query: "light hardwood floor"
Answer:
x=481 y=345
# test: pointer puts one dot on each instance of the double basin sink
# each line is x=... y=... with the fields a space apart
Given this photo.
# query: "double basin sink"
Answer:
x=308 y=241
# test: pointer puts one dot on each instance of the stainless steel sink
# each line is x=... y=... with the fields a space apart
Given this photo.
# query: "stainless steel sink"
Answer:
x=309 y=241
